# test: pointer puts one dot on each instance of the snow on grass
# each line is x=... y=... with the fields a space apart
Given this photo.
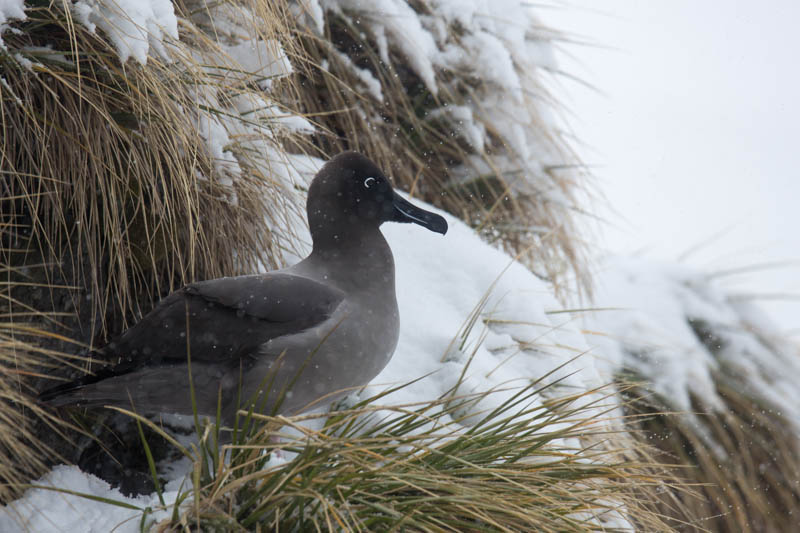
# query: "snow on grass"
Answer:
x=247 y=60
x=133 y=26
x=242 y=129
x=492 y=54
x=311 y=13
x=10 y=10
x=369 y=81
x=471 y=130
x=263 y=60
x=397 y=22
x=677 y=328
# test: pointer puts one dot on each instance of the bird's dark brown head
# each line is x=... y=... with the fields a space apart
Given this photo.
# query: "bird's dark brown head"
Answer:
x=351 y=192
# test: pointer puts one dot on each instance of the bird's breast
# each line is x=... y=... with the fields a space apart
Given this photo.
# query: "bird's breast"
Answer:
x=343 y=353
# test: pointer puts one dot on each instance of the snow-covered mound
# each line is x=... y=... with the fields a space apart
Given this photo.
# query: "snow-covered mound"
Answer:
x=520 y=333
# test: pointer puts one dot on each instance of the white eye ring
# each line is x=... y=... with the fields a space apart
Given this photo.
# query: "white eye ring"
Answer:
x=366 y=182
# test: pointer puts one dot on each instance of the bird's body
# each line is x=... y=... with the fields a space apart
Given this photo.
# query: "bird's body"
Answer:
x=281 y=341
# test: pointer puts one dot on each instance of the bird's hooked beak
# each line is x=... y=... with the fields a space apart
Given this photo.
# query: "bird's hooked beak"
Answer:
x=405 y=211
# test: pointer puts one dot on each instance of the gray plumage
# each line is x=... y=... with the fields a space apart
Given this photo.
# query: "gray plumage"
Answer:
x=285 y=339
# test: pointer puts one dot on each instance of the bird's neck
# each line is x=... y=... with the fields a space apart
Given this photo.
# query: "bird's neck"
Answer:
x=354 y=261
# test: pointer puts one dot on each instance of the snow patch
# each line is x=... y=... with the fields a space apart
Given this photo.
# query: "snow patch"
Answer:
x=134 y=27
x=371 y=83
x=394 y=21
x=10 y=10
x=49 y=511
x=464 y=122
x=312 y=12
x=261 y=60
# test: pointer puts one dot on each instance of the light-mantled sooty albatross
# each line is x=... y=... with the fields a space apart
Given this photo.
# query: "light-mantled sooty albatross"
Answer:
x=281 y=340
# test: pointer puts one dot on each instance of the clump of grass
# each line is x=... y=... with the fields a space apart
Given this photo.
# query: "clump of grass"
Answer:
x=25 y=454
x=724 y=416
x=417 y=468
x=111 y=195
x=112 y=179
x=742 y=453
x=741 y=461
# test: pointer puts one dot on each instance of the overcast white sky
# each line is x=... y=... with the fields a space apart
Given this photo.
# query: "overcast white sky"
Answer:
x=696 y=131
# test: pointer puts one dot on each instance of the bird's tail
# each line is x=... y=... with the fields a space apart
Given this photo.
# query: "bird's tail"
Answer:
x=72 y=393
x=68 y=393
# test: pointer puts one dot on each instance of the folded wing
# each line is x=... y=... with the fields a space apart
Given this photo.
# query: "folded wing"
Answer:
x=225 y=321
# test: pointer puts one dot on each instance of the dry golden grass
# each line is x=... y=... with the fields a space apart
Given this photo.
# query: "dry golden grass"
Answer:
x=106 y=162
x=111 y=198
x=742 y=463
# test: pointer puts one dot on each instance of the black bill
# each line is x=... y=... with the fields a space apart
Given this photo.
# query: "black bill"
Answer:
x=405 y=211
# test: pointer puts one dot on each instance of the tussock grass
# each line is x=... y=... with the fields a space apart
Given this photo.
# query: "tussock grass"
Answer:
x=110 y=175
x=416 y=468
x=741 y=454
x=742 y=462
x=111 y=196
x=24 y=453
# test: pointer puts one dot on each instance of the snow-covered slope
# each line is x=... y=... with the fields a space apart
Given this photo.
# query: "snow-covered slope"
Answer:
x=521 y=332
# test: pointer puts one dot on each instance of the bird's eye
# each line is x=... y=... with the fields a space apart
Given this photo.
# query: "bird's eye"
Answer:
x=368 y=182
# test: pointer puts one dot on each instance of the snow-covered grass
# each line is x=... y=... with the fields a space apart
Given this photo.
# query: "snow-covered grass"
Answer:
x=125 y=179
x=680 y=329
x=728 y=379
